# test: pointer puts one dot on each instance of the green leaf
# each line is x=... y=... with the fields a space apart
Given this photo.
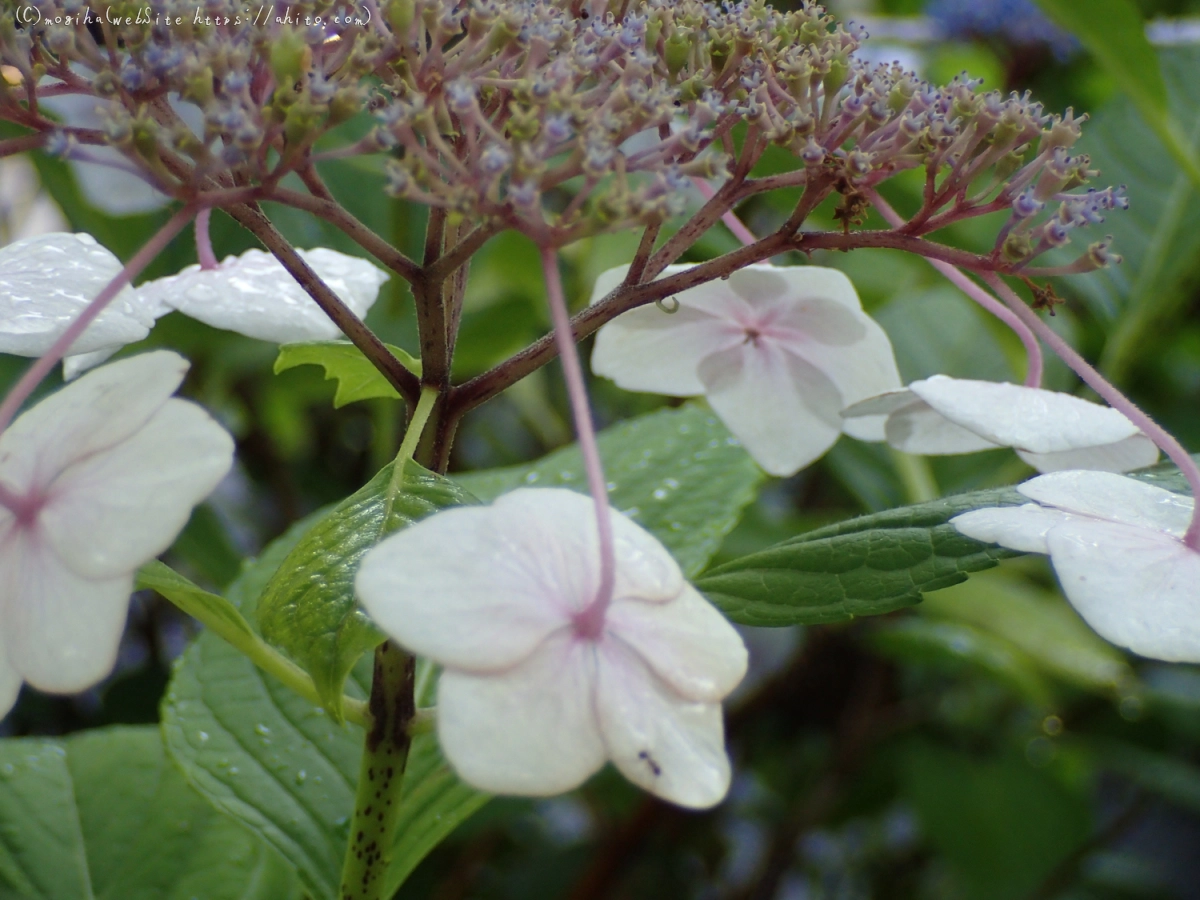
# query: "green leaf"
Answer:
x=676 y=472
x=357 y=377
x=1159 y=235
x=105 y=815
x=865 y=566
x=1039 y=624
x=308 y=608
x=1001 y=824
x=1114 y=33
x=881 y=562
x=219 y=613
x=279 y=765
x=951 y=645
x=206 y=545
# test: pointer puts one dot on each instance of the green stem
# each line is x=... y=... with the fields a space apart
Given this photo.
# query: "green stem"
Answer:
x=380 y=776
x=217 y=615
x=412 y=436
x=916 y=476
x=391 y=717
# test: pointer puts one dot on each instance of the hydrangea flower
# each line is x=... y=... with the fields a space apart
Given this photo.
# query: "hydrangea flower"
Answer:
x=253 y=294
x=45 y=283
x=777 y=352
x=94 y=481
x=1051 y=431
x=528 y=702
x=1116 y=546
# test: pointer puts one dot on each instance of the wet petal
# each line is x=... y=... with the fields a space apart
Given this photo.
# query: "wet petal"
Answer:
x=87 y=416
x=1135 y=452
x=784 y=411
x=1015 y=527
x=530 y=730
x=1118 y=498
x=687 y=642
x=920 y=429
x=254 y=295
x=669 y=745
x=61 y=631
x=649 y=349
x=115 y=509
x=1023 y=417
x=1135 y=587
x=47 y=281
x=534 y=563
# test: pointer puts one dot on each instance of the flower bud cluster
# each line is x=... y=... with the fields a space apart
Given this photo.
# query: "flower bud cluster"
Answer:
x=566 y=115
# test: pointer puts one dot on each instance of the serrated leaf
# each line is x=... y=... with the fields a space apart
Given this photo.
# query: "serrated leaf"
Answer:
x=865 y=566
x=357 y=378
x=872 y=564
x=280 y=766
x=105 y=815
x=308 y=607
x=678 y=473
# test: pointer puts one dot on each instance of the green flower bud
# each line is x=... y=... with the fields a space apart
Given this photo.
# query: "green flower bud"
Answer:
x=678 y=49
x=290 y=58
x=400 y=14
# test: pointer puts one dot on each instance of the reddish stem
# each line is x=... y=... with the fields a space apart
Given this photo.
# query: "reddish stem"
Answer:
x=589 y=623
x=204 y=250
x=1033 y=351
x=41 y=368
x=1118 y=401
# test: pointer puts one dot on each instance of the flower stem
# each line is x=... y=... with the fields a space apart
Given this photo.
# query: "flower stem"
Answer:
x=1118 y=401
x=408 y=446
x=391 y=709
x=591 y=620
x=729 y=217
x=204 y=250
x=1033 y=351
x=41 y=368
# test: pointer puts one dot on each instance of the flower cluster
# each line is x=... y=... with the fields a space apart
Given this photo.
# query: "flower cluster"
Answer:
x=550 y=116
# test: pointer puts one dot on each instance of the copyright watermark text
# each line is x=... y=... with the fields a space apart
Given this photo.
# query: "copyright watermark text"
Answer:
x=27 y=14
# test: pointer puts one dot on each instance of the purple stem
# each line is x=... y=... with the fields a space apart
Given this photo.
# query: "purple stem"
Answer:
x=1033 y=351
x=732 y=222
x=1118 y=401
x=41 y=368
x=204 y=250
x=589 y=623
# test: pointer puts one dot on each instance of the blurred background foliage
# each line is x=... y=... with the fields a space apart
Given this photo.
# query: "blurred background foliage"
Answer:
x=985 y=745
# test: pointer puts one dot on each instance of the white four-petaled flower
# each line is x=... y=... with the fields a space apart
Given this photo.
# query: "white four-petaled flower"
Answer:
x=777 y=351
x=528 y=703
x=96 y=480
x=1116 y=545
x=253 y=294
x=45 y=282
x=1051 y=431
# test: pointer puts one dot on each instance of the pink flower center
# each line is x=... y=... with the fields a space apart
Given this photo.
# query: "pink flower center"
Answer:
x=24 y=507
